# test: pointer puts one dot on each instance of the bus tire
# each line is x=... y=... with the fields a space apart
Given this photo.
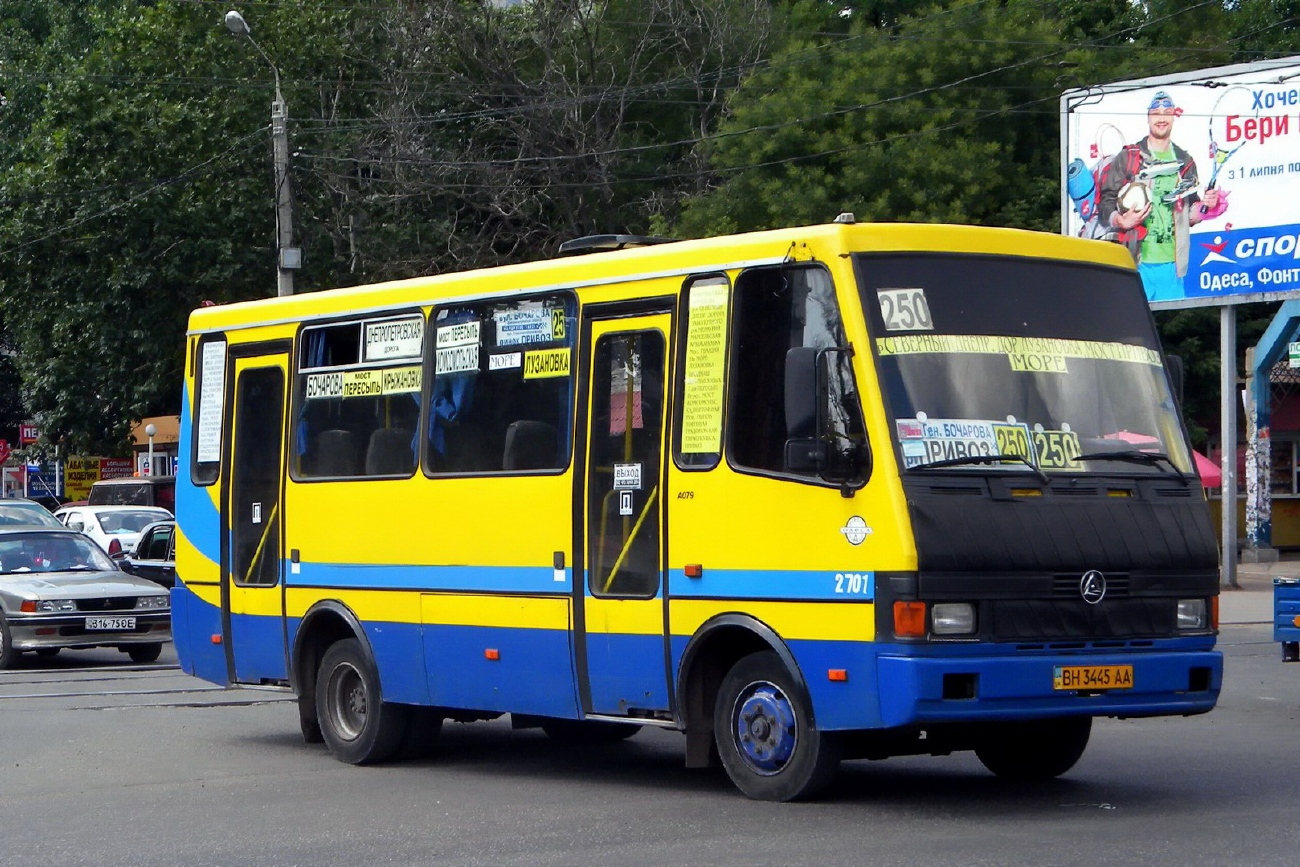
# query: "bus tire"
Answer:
x=357 y=726
x=765 y=736
x=577 y=732
x=1036 y=750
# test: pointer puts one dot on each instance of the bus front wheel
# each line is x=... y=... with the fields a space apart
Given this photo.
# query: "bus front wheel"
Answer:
x=357 y=726
x=765 y=736
x=1035 y=750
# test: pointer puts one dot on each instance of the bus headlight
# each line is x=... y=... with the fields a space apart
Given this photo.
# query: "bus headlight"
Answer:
x=953 y=618
x=1193 y=614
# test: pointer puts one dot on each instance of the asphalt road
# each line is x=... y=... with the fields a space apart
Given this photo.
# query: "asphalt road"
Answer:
x=104 y=763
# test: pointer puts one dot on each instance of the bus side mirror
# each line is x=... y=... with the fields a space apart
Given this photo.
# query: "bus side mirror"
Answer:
x=810 y=445
x=801 y=390
x=805 y=451
x=805 y=455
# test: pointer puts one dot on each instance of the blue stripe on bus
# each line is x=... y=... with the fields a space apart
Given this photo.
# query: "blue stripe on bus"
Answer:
x=718 y=583
x=471 y=579
x=775 y=584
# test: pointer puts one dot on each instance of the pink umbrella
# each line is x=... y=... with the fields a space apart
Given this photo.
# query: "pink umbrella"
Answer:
x=1211 y=475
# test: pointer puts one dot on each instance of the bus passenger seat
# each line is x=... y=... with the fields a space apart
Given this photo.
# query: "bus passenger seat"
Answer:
x=530 y=445
x=337 y=454
x=389 y=453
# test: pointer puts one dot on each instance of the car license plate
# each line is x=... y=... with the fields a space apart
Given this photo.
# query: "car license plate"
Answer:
x=1092 y=677
x=110 y=623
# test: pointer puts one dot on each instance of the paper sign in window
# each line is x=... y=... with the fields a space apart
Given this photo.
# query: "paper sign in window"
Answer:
x=706 y=344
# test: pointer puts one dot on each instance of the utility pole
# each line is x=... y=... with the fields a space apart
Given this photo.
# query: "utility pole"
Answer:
x=288 y=257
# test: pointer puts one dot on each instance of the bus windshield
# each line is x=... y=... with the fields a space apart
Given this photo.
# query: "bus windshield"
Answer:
x=1017 y=364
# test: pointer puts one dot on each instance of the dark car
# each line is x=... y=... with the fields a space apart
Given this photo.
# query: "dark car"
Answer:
x=135 y=491
x=154 y=556
x=58 y=589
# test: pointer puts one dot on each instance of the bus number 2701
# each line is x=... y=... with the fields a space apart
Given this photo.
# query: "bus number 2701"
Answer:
x=853 y=583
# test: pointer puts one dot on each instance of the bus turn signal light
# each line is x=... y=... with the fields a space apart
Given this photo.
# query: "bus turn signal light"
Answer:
x=837 y=675
x=909 y=619
x=492 y=653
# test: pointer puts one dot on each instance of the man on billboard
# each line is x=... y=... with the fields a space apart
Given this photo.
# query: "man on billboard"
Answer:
x=1149 y=197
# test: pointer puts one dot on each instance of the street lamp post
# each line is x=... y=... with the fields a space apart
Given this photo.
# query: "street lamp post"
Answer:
x=289 y=257
x=149 y=430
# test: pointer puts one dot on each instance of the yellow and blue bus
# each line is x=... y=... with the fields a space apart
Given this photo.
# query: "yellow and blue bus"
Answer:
x=822 y=493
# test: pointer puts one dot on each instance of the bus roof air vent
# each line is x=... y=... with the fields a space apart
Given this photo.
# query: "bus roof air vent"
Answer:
x=846 y=217
x=605 y=243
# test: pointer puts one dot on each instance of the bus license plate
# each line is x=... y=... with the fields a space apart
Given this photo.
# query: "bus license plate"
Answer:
x=110 y=623
x=1092 y=677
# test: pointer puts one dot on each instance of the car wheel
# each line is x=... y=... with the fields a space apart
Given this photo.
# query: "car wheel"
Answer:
x=142 y=653
x=1035 y=750
x=575 y=732
x=358 y=727
x=8 y=655
x=765 y=735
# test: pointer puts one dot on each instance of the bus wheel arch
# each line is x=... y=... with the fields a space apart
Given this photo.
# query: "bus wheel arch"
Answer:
x=713 y=651
x=325 y=624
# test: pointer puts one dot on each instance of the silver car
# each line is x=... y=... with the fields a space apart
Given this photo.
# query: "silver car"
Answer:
x=59 y=589
x=15 y=512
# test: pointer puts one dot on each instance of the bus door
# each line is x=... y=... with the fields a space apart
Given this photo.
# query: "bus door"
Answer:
x=252 y=593
x=621 y=641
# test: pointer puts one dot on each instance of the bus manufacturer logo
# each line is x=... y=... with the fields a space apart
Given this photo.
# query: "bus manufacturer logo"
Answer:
x=855 y=530
x=1092 y=586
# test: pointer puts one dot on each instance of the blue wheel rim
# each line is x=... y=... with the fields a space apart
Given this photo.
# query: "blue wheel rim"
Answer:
x=765 y=728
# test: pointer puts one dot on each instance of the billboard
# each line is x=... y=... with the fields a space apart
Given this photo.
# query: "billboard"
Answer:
x=1197 y=173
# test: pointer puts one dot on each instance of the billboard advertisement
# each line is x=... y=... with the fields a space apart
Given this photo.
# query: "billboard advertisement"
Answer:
x=1198 y=174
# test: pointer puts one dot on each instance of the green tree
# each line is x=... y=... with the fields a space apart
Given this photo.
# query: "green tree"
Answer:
x=139 y=187
x=949 y=114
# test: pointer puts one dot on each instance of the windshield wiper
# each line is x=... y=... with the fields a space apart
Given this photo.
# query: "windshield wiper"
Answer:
x=984 y=459
x=1136 y=457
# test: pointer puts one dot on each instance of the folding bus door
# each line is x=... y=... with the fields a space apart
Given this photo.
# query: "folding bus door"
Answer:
x=252 y=592
x=622 y=638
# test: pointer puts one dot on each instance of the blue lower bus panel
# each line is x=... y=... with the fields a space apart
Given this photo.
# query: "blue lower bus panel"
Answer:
x=1286 y=617
x=930 y=689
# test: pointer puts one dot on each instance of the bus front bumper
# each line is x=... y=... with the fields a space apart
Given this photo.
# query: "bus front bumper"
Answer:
x=916 y=690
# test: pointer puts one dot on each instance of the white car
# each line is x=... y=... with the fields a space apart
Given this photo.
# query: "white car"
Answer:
x=115 y=528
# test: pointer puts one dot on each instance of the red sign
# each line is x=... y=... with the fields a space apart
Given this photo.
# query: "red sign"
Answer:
x=28 y=433
x=115 y=468
x=5 y=451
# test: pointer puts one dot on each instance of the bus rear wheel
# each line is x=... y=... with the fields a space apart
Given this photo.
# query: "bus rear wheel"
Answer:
x=765 y=735
x=1035 y=750
x=357 y=726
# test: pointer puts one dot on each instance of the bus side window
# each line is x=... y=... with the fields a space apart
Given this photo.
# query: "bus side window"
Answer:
x=778 y=310
x=357 y=398
x=502 y=395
